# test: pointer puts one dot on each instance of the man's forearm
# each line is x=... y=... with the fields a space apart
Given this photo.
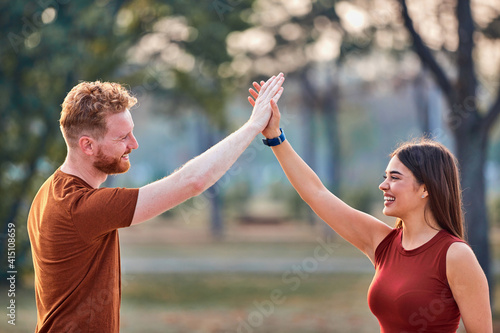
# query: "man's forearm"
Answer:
x=210 y=166
x=203 y=171
x=195 y=176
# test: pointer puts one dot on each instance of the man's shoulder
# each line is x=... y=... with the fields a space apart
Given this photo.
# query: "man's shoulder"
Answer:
x=69 y=179
x=65 y=184
x=61 y=186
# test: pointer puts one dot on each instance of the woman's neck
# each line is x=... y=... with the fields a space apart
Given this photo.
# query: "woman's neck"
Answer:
x=418 y=232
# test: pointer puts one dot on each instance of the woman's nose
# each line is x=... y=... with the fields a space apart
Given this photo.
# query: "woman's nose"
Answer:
x=384 y=185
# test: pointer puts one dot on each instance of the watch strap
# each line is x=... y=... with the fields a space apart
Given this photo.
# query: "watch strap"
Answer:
x=275 y=141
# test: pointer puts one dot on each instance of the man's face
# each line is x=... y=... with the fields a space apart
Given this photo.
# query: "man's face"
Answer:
x=113 y=149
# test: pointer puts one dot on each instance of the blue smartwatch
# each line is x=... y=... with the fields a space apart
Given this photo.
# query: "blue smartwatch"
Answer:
x=275 y=141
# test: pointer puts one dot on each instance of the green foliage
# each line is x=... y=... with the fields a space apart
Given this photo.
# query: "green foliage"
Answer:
x=494 y=210
x=198 y=84
x=236 y=197
x=360 y=198
x=295 y=207
x=48 y=47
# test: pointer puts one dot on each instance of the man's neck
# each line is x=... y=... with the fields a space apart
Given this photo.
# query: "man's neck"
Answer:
x=83 y=170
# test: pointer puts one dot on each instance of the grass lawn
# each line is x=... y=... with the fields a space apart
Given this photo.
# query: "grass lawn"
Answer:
x=232 y=302
x=228 y=302
x=246 y=303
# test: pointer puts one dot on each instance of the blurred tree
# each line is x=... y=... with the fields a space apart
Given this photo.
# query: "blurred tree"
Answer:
x=295 y=36
x=47 y=47
x=453 y=42
x=186 y=49
x=309 y=41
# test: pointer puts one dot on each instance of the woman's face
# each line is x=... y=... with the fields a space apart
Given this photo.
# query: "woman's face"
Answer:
x=402 y=193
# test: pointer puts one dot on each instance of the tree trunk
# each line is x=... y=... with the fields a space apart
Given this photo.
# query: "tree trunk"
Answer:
x=325 y=100
x=216 y=220
x=471 y=148
x=215 y=197
x=310 y=130
x=16 y=209
x=470 y=130
x=421 y=95
x=330 y=112
x=206 y=139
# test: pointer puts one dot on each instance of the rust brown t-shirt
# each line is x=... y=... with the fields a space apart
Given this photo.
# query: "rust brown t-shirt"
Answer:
x=76 y=255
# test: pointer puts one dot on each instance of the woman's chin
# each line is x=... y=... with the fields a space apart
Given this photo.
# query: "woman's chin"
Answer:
x=387 y=212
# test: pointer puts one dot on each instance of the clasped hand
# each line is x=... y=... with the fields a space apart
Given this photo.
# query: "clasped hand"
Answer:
x=261 y=97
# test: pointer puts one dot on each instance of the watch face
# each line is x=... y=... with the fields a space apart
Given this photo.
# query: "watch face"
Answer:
x=275 y=141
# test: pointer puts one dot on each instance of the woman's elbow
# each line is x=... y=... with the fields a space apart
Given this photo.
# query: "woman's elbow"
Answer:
x=312 y=192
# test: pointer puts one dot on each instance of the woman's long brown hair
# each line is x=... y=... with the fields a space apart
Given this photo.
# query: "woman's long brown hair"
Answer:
x=434 y=165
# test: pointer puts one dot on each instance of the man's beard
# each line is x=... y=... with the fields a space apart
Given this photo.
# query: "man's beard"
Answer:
x=111 y=165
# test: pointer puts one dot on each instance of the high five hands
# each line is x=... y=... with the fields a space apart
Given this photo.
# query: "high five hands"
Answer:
x=272 y=129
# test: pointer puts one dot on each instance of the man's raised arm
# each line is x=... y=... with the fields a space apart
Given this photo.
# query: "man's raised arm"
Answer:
x=203 y=171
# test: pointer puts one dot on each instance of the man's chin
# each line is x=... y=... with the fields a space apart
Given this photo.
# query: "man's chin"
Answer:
x=113 y=168
x=121 y=169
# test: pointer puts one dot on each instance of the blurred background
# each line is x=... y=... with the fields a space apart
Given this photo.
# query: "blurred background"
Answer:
x=248 y=255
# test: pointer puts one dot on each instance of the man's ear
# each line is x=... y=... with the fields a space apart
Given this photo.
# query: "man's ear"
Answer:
x=87 y=145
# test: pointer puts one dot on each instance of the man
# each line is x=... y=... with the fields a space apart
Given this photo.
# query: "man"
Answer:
x=73 y=223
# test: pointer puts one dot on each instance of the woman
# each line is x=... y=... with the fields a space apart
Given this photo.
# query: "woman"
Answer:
x=426 y=276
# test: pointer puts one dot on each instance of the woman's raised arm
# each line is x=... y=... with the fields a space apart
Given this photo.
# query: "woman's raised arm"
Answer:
x=360 y=229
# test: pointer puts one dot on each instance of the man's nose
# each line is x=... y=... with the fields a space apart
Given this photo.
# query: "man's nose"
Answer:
x=133 y=144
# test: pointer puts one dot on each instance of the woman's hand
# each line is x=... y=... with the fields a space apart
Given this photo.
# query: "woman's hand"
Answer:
x=262 y=109
x=272 y=129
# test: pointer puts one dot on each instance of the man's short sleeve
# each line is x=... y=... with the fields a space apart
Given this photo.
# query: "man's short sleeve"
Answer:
x=99 y=211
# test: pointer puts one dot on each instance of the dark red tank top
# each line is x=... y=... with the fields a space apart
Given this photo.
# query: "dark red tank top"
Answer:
x=410 y=291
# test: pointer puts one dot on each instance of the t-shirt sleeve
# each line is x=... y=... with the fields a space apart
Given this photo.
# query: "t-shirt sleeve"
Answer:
x=99 y=211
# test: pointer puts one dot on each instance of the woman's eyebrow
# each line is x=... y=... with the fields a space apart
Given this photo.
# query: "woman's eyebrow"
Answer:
x=394 y=172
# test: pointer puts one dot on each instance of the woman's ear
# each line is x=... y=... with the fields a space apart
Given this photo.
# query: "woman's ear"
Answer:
x=425 y=194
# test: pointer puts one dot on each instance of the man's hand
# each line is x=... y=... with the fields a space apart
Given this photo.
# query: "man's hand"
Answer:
x=262 y=107
x=272 y=130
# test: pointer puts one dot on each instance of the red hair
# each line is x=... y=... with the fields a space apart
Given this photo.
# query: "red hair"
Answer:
x=87 y=105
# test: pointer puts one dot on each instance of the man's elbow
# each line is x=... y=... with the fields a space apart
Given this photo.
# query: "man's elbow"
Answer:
x=197 y=185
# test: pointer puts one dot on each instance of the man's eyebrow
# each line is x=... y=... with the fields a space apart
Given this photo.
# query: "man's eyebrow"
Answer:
x=121 y=136
x=125 y=134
